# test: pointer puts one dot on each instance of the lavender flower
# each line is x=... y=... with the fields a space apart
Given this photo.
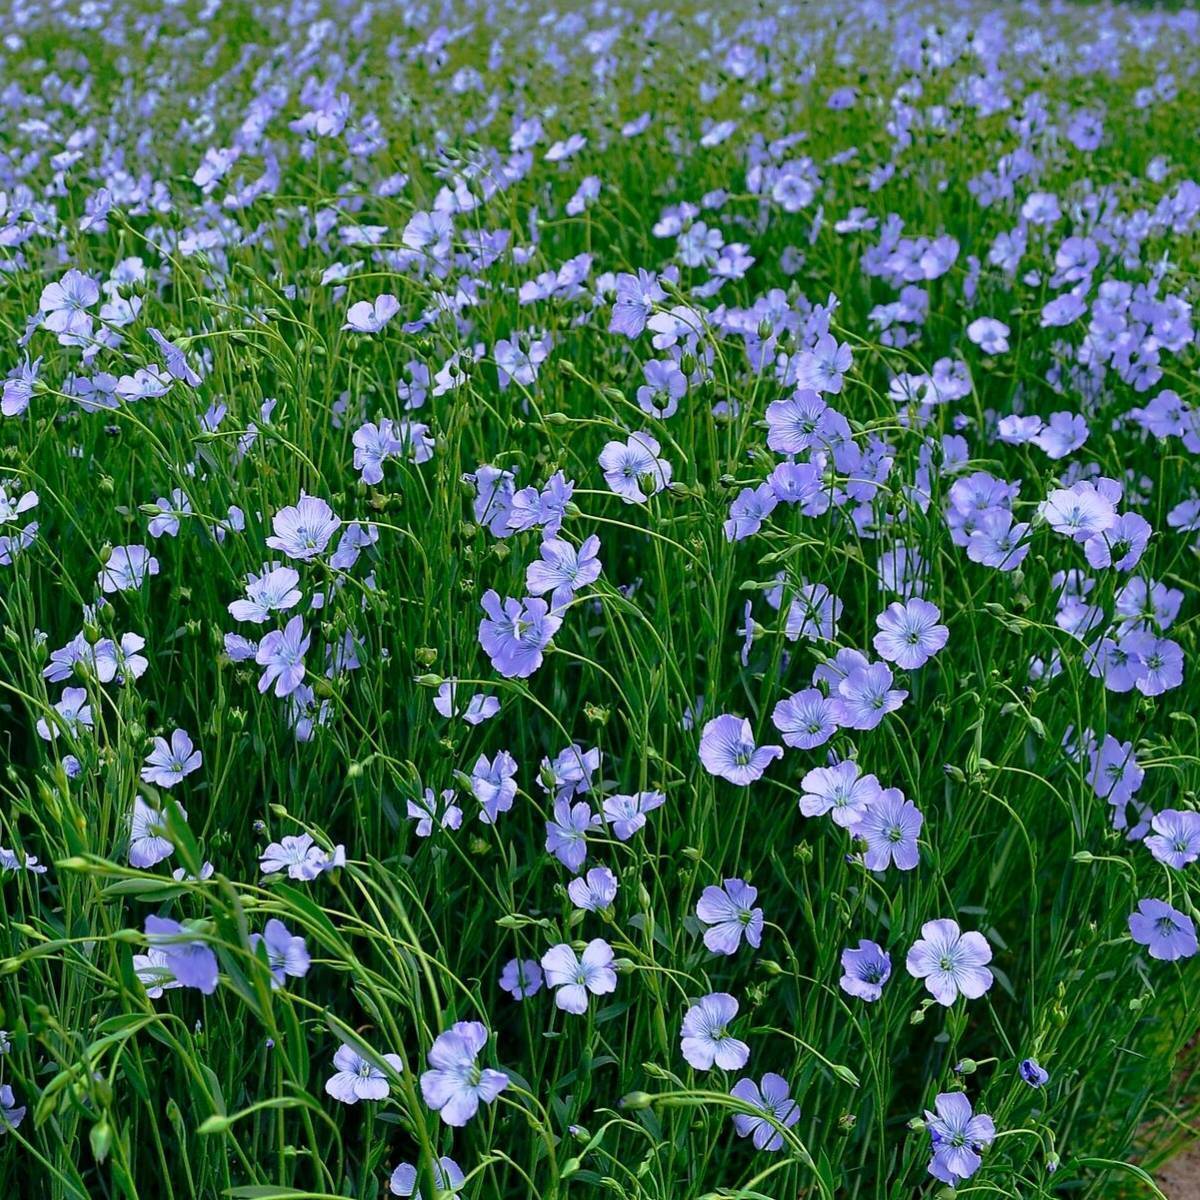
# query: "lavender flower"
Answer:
x=594 y=891
x=576 y=975
x=286 y=953
x=148 y=843
x=890 y=827
x=515 y=633
x=1175 y=841
x=951 y=962
x=705 y=1038
x=841 y=790
x=521 y=978
x=566 y=833
x=303 y=530
x=633 y=468
x=1166 y=933
x=1033 y=1074
x=729 y=913
x=282 y=653
x=455 y=1084
x=357 y=1078
x=167 y=764
x=909 y=634
x=190 y=961
x=727 y=750
x=805 y=720
x=866 y=696
x=957 y=1135
x=447 y=1177
x=773 y=1098
x=865 y=970
x=627 y=814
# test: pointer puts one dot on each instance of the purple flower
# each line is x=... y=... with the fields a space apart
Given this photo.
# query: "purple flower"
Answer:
x=909 y=634
x=370 y=316
x=425 y=812
x=950 y=961
x=727 y=751
x=455 y=1083
x=563 y=570
x=1064 y=433
x=813 y=613
x=566 y=833
x=627 y=814
x=705 y=1038
x=300 y=858
x=805 y=720
x=72 y=715
x=774 y=1099
x=1115 y=775
x=447 y=1178
x=303 y=530
x=636 y=297
x=1079 y=512
x=1175 y=841
x=865 y=970
x=153 y=973
x=521 y=978
x=148 y=843
x=64 y=304
x=749 y=509
x=190 y=961
x=167 y=764
x=286 y=954
x=890 y=827
x=990 y=335
x=957 y=1136
x=571 y=772
x=515 y=633
x=633 y=469
x=11 y=1113
x=480 y=707
x=729 y=912
x=358 y=1079
x=1033 y=1074
x=665 y=386
x=494 y=784
x=373 y=445
x=126 y=569
x=1161 y=665
x=866 y=696
x=1166 y=933
x=282 y=652
x=798 y=423
x=841 y=790
x=574 y=976
x=594 y=891
x=1121 y=545
x=998 y=541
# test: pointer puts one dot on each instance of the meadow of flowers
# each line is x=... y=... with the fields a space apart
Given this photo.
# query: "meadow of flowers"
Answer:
x=598 y=600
